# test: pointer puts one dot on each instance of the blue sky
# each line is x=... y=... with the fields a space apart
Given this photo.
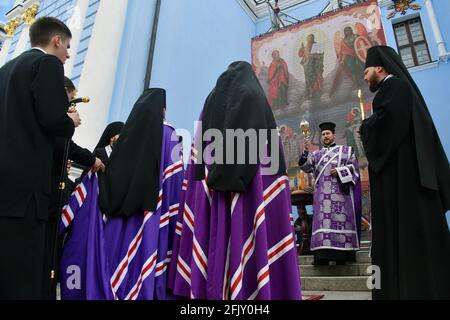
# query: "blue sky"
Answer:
x=5 y=6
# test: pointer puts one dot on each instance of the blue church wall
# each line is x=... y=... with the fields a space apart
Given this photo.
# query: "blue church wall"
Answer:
x=196 y=42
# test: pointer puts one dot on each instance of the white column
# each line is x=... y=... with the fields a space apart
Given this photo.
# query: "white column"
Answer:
x=28 y=16
x=5 y=49
x=99 y=70
x=23 y=40
x=334 y=4
x=75 y=24
x=443 y=54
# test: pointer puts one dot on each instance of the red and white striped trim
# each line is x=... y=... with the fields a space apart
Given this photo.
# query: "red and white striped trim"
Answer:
x=146 y=270
x=194 y=154
x=234 y=200
x=274 y=189
x=205 y=186
x=67 y=216
x=274 y=253
x=184 y=185
x=188 y=217
x=278 y=250
x=247 y=252
x=184 y=270
x=161 y=267
x=80 y=194
x=200 y=258
x=226 y=280
x=173 y=210
x=179 y=228
x=164 y=220
x=263 y=278
x=249 y=246
x=122 y=268
x=172 y=170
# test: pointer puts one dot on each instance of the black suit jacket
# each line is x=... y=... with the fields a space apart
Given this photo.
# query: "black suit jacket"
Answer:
x=33 y=112
x=77 y=154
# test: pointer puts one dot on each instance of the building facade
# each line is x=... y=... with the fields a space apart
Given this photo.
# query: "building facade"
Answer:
x=97 y=27
x=196 y=40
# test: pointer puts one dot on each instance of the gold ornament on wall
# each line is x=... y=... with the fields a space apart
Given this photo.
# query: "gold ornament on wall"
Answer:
x=402 y=6
x=11 y=26
x=30 y=14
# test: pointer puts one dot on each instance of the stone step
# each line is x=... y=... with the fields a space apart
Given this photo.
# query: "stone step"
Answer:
x=339 y=295
x=335 y=284
x=365 y=244
x=334 y=271
x=361 y=257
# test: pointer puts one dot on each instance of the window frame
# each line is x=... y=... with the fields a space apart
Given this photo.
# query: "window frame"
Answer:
x=411 y=44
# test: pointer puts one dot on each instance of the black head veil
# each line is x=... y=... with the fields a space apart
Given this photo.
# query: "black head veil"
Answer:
x=237 y=102
x=111 y=130
x=431 y=156
x=131 y=182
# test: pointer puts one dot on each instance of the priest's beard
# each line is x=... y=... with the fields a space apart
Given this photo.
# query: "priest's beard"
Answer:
x=374 y=83
x=328 y=142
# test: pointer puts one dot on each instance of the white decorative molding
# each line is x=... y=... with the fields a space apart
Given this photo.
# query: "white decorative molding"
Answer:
x=405 y=18
x=99 y=70
x=5 y=50
x=423 y=67
x=383 y=3
x=248 y=10
x=75 y=24
x=16 y=11
x=22 y=42
x=28 y=3
x=20 y=7
x=2 y=33
x=261 y=11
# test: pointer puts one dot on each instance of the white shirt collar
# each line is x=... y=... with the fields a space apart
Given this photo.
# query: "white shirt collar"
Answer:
x=388 y=77
x=40 y=49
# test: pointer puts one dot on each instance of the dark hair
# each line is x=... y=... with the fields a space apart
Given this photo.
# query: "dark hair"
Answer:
x=44 y=29
x=68 y=84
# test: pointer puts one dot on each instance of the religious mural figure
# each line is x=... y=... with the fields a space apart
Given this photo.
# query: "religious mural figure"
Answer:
x=350 y=59
x=312 y=56
x=278 y=81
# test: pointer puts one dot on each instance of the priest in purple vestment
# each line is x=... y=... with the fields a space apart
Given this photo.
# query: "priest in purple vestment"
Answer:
x=337 y=199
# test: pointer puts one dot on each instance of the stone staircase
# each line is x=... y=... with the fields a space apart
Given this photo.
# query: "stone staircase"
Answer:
x=348 y=278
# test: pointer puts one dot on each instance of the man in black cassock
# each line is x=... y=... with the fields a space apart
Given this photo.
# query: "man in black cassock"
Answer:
x=108 y=140
x=410 y=185
x=104 y=147
x=33 y=112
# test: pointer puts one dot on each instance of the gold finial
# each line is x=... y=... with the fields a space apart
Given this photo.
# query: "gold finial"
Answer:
x=30 y=13
x=361 y=104
x=305 y=128
x=11 y=26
